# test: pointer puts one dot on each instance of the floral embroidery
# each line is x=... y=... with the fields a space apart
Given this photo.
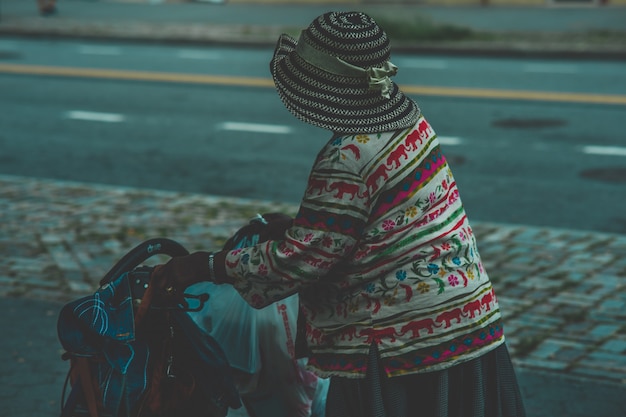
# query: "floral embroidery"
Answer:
x=453 y=280
x=388 y=224
x=389 y=301
x=423 y=287
x=401 y=275
x=288 y=252
x=362 y=138
x=256 y=300
x=433 y=268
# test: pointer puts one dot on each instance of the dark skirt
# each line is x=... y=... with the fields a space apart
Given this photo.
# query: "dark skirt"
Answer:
x=483 y=387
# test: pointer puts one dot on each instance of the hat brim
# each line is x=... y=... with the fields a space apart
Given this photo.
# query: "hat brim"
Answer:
x=334 y=102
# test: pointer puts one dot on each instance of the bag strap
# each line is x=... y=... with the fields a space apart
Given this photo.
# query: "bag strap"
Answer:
x=142 y=252
x=79 y=376
x=84 y=374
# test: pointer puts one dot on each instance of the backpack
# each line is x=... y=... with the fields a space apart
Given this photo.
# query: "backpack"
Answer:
x=157 y=363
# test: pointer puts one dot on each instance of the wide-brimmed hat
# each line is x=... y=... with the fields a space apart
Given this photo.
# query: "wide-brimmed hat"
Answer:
x=337 y=76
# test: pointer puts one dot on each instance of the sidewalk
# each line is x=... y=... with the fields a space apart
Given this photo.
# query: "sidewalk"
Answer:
x=598 y=32
x=561 y=291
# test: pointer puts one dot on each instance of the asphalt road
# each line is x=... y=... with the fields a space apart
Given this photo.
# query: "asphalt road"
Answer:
x=208 y=120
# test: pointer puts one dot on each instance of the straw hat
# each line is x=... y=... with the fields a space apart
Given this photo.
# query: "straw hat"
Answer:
x=337 y=76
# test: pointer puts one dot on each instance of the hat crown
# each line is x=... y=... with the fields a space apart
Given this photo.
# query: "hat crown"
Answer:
x=352 y=36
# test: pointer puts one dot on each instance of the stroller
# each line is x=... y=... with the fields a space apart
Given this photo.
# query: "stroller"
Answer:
x=133 y=353
x=137 y=355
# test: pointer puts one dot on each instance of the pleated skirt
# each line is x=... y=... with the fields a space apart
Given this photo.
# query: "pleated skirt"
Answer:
x=483 y=387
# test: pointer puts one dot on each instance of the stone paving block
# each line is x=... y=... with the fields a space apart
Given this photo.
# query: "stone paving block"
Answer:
x=550 y=364
x=541 y=322
x=608 y=316
x=512 y=306
x=513 y=296
x=611 y=304
x=541 y=282
x=29 y=265
x=615 y=282
x=6 y=280
x=492 y=234
x=605 y=258
x=77 y=283
x=615 y=346
x=51 y=238
x=582 y=263
x=570 y=354
x=608 y=360
x=576 y=330
x=113 y=246
x=530 y=235
x=580 y=246
x=546 y=349
x=575 y=276
x=541 y=309
x=578 y=299
x=62 y=257
x=56 y=294
x=602 y=374
x=39 y=281
x=82 y=257
x=603 y=331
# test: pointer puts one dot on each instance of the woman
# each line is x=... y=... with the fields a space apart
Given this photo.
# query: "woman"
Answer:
x=398 y=309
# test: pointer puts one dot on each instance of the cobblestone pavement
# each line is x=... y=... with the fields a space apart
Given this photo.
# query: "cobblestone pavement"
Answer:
x=561 y=291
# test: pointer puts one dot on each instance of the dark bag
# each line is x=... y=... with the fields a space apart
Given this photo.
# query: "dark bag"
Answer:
x=134 y=354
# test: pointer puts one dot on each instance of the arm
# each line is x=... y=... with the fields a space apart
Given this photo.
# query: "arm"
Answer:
x=327 y=227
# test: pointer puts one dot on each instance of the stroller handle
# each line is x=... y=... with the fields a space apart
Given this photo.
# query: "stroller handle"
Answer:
x=142 y=252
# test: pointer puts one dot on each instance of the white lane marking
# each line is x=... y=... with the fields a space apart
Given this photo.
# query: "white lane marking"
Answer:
x=424 y=64
x=449 y=140
x=99 y=50
x=254 y=127
x=605 y=150
x=94 y=116
x=196 y=54
x=551 y=68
